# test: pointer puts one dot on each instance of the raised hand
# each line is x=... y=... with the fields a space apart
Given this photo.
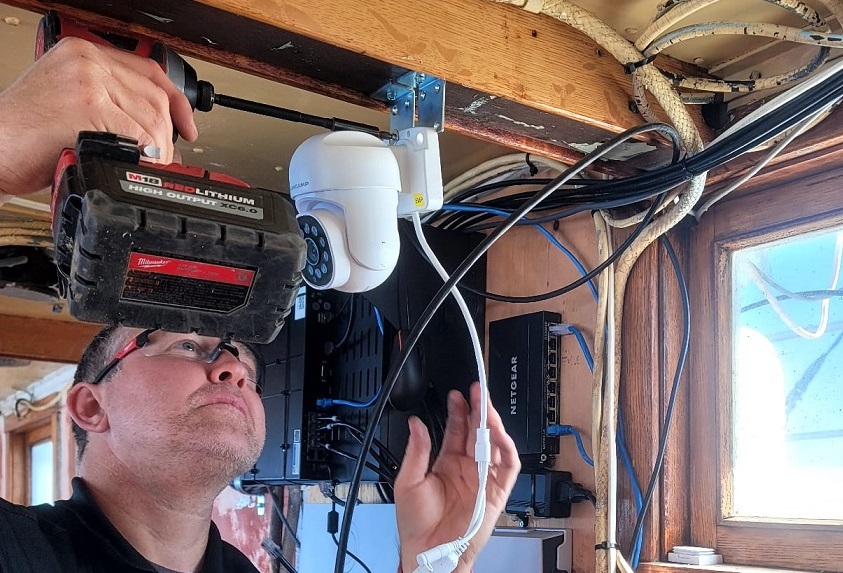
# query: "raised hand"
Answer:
x=434 y=506
x=82 y=86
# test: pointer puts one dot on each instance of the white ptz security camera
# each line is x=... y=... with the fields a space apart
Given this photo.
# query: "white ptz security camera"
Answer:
x=349 y=188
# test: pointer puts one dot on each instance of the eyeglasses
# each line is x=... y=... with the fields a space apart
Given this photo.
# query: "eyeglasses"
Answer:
x=186 y=348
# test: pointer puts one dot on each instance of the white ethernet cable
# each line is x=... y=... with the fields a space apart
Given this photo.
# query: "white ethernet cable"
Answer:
x=445 y=557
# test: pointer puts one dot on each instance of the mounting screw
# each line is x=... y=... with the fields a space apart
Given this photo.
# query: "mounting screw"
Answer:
x=422 y=95
x=755 y=74
x=406 y=104
x=633 y=107
x=57 y=308
x=395 y=110
x=437 y=126
x=390 y=94
x=599 y=53
x=437 y=88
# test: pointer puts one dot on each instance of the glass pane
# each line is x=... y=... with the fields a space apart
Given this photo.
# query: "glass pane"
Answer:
x=41 y=475
x=788 y=392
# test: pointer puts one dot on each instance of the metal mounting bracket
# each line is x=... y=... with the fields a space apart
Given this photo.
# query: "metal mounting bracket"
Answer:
x=411 y=92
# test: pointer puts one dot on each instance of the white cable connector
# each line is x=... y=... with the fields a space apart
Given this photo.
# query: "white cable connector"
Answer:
x=445 y=564
x=441 y=556
x=483 y=446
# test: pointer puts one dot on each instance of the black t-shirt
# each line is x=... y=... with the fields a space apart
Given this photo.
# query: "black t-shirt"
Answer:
x=74 y=536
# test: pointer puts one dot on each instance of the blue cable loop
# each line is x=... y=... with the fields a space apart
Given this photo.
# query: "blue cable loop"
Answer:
x=622 y=450
x=566 y=430
x=553 y=240
x=583 y=346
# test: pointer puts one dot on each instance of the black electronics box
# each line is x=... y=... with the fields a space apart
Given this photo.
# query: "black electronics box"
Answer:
x=541 y=494
x=313 y=358
x=524 y=382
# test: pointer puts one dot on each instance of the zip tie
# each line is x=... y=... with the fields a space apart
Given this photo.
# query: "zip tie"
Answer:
x=632 y=66
x=605 y=546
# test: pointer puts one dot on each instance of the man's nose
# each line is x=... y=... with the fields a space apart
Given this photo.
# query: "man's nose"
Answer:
x=227 y=369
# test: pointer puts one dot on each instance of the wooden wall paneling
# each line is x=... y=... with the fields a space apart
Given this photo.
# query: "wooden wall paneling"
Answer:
x=675 y=478
x=640 y=395
x=523 y=262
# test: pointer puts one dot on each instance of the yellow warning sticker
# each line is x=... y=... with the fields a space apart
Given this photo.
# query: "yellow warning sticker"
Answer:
x=418 y=200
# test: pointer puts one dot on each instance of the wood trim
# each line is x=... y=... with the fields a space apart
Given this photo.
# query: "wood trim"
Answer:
x=675 y=481
x=21 y=434
x=772 y=547
x=641 y=396
x=817 y=150
x=348 y=50
x=45 y=339
x=703 y=451
x=726 y=568
x=742 y=221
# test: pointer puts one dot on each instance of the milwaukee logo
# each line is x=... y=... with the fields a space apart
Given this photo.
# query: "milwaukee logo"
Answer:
x=146 y=179
x=145 y=263
x=513 y=386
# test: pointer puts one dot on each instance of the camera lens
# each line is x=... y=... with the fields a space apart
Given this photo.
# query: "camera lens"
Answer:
x=312 y=251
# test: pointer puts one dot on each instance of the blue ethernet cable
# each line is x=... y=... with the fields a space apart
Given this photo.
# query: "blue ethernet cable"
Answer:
x=553 y=240
x=622 y=449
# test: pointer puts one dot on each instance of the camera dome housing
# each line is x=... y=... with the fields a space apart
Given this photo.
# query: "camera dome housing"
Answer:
x=345 y=185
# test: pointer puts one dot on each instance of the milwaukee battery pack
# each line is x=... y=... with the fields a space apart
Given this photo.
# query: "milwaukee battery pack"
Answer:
x=171 y=247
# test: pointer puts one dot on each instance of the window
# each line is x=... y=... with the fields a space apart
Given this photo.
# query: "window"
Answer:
x=765 y=415
x=31 y=460
x=787 y=410
x=41 y=468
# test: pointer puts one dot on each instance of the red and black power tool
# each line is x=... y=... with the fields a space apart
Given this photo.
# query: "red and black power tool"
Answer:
x=53 y=27
x=173 y=247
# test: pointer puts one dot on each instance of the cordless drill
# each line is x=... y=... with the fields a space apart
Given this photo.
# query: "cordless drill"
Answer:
x=53 y=27
x=172 y=247
x=199 y=93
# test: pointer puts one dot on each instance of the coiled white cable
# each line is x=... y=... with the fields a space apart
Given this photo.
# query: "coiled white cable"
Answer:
x=443 y=558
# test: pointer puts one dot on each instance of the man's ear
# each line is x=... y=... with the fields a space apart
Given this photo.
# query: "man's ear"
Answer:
x=84 y=406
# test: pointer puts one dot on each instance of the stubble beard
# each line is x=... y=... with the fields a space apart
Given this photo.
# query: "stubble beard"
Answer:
x=224 y=445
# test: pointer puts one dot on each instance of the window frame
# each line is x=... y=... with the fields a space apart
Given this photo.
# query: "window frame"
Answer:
x=803 y=205
x=21 y=434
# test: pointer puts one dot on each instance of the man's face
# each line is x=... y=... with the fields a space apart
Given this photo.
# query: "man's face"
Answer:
x=167 y=401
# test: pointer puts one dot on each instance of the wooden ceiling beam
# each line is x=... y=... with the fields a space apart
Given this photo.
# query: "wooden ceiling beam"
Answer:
x=44 y=339
x=509 y=71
